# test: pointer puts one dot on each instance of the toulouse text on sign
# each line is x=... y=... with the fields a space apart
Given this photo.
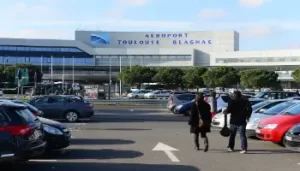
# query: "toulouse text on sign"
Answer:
x=175 y=39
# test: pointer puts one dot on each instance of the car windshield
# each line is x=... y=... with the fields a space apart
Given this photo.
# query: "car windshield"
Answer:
x=259 y=105
x=260 y=95
x=31 y=108
x=278 y=108
x=295 y=110
x=253 y=102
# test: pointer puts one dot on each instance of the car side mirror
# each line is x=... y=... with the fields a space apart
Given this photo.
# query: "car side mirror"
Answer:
x=40 y=113
x=261 y=110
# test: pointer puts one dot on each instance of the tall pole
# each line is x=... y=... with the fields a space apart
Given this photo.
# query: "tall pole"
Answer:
x=109 y=84
x=130 y=62
x=120 y=79
x=73 y=70
x=52 y=74
x=63 y=75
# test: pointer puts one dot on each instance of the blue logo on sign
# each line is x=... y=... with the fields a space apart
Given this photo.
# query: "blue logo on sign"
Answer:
x=100 y=38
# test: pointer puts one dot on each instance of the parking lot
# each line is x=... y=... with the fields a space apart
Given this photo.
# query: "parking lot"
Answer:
x=124 y=139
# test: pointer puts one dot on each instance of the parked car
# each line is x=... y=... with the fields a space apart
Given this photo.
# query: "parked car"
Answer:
x=157 y=94
x=61 y=107
x=292 y=138
x=176 y=99
x=269 y=109
x=56 y=134
x=274 y=128
x=1 y=92
x=137 y=94
x=276 y=95
x=185 y=108
x=21 y=133
x=218 y=120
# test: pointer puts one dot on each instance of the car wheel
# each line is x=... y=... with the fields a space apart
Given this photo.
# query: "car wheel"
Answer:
x=283 y=141
x=71 y=116
x=136 y=96
x=173 y=110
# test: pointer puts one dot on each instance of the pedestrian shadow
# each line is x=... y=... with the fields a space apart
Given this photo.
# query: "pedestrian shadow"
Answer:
x=270 y=151
x=87 y=141
x=38 y=166
x=256 y=151
x=118 y=129
x=137 y=118
x=71 y=154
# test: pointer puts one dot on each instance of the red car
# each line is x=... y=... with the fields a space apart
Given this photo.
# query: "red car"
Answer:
x=274 y=129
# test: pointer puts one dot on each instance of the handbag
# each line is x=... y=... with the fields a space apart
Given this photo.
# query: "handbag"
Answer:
x=225 y=131
x=200 y=123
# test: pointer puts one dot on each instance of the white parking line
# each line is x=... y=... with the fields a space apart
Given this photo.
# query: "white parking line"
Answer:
x=43 y=160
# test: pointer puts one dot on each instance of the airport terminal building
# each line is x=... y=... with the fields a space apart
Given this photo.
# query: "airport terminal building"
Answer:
x=94 y=55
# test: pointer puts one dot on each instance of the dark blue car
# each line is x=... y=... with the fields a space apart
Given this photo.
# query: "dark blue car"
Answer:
x=69 y=108
x=184 y=108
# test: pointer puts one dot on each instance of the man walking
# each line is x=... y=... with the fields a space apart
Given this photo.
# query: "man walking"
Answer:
x=240 y=109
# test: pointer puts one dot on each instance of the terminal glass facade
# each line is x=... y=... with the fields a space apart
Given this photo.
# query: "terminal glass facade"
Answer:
x=257 y=59
x=144 y=60
x=44 y=55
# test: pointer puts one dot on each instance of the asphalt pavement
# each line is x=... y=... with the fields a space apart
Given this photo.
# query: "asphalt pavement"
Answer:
x=149 y=139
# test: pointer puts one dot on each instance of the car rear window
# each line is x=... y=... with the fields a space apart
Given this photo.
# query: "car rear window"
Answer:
x=225 y=98
x=187 y=97
x=24 y=113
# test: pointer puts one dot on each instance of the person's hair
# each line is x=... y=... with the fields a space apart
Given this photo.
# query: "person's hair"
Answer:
x=213 y=94
x=237 y=94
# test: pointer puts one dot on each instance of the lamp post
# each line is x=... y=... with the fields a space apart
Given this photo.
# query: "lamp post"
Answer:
x=109 y=85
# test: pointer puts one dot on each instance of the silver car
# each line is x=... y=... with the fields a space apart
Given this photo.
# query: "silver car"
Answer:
x=262 y=114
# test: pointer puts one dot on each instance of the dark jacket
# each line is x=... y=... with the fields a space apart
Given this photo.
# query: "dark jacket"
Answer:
x=204 y=109
x=240 y=110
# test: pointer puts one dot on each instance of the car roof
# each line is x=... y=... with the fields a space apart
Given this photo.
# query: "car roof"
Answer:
x=10 y=103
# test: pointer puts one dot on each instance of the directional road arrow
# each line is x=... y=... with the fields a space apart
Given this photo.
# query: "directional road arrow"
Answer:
x=168 y=150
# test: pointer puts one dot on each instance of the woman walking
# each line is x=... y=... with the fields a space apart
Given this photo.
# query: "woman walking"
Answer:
x=200 y=121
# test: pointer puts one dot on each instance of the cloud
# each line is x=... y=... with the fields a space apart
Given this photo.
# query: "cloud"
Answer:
x=212 y=13
x=38 y=34
x=253 y=3
x=135 y=2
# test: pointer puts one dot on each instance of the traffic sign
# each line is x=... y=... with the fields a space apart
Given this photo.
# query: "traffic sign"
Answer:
x=22 y=76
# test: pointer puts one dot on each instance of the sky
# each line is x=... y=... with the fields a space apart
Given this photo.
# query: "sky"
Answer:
x=262 y=24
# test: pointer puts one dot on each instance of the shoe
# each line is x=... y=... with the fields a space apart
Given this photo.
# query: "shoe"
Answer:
x=243 y=152
x=206 y=148
x=230 y=149
x=197 y=148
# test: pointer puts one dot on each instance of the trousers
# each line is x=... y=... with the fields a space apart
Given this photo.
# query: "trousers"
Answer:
x=242 y=131
x=203 y=136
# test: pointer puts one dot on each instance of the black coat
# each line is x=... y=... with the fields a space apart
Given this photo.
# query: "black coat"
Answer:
x=205 y=114
x=240 y=110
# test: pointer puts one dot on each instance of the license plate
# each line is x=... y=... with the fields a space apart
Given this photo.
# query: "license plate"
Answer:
x=288 y=138
x=257 y=131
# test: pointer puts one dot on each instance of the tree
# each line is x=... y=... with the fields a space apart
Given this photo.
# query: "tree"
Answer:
x=169 y=76
x=221 y=77
x=10 y=72
x=193 y=77
x=259 y=78
x=296 y=75
x=136 y=75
